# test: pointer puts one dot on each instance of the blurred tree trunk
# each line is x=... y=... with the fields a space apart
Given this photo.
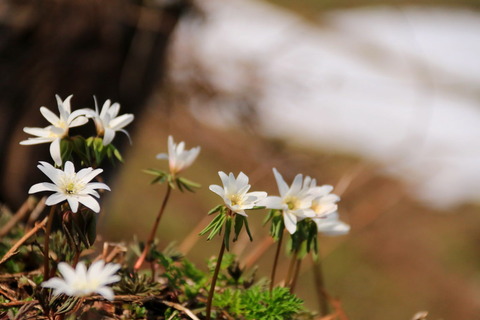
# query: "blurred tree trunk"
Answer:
x=113 y=49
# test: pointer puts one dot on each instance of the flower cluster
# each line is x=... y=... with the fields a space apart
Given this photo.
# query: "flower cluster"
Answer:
x=107 y=124
x=302 y=208
x=303 y=199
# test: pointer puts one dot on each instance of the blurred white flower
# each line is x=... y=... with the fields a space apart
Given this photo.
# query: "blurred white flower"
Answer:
x=323 y=202
x=80 y=282
x=107 y=122
x=295 y=201
x=330 y=225
x=58 y=129
x=178 y=158
x=324 y=205
x=70 y=186
x=234 y=193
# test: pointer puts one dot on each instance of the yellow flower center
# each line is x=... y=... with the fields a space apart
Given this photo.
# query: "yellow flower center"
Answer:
x=70 y=188
x=292 y=203
x=71 y=185
x=235 y=199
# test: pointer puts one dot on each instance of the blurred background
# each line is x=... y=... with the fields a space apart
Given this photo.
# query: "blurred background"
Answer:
x=377 y=98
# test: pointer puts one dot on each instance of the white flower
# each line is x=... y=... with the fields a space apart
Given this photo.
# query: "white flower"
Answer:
x=58 y=129
x=330 y=225
x=178 y=158
x=324 y=202
x=234 y=193
x=80 y=282
x=294 y=201
x=70 y=186
x=108 y=122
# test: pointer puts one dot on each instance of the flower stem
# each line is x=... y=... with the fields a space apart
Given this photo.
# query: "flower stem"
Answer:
x=293 y=283
x=275 y=261
x=214 y=279
x=290 y=269
x=320 y=286
x=46 y=245
x=142 y=257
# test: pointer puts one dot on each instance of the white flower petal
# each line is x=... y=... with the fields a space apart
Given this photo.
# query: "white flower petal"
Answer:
x=282 y=185
x=122 y=121
x=108 y=136
x=290 y=221
x=242 y=179
x=69 y=168
x=217 y=189
x=106 y=292
x=259 y=195
x=296 y=184
x=42 y=186
x=67 y=271
x=89 y=202
x=59 y=285
x=73 y=203
x=40 y=132
x=271 y=202
x=50 y=116
x=77 y=121
x=55 y=198
x=31 y=141
x=97 y=185
x=55 y=152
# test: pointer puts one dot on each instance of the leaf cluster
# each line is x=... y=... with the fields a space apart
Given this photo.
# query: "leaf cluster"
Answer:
x=226 y=220
x=183 y=184
x=90 y=151
x=257 y=302
x=277 y=225
x=305 y=239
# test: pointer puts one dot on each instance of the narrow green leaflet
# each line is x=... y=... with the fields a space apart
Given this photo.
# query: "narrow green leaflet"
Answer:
x=228 y=229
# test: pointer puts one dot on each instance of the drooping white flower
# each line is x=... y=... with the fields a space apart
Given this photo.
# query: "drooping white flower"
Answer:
x=81 y=282
x=235 y=193
x=107 y=121
x=58 y=129
x=70 y=186
x=294 y=201
x=178 y=158
x=330 y=225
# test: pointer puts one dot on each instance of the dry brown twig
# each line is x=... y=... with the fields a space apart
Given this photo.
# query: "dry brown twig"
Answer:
x=14 y=248
x=27 y=206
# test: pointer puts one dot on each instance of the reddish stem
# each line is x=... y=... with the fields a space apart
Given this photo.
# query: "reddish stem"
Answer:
x=149 y=243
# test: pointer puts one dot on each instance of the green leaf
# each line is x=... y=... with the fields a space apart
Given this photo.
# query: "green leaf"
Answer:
x=155 y=172
x=239 y=220
x=216 y=209
x=228 y=228
x=248 y=229
x=189 y=183
x=66 y=150
x=218 y=227
x=211 y=225
x=117 y=154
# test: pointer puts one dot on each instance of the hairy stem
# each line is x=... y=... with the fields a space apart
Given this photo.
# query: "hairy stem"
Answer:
x=46 y=245
x=142 y=257
x=275 y=261
x=214 y=279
